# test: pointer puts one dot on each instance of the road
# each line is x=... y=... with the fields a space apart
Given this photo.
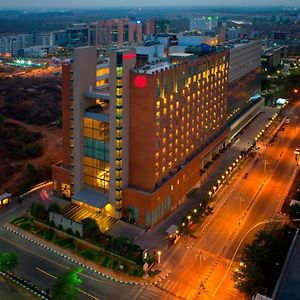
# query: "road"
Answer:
x=193 y=260
x=41 y=266
x=257 y=198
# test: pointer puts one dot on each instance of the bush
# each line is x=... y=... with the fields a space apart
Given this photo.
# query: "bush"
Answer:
x=54 y=207
x=49 y=235
x=41 y=232
x=89 y=254
x=106 y=261
x=70 y=231
x=115 y=264
x=39 y=211
x=26 y=226
x=17 y=220
x=52 y=223
x=60 y=227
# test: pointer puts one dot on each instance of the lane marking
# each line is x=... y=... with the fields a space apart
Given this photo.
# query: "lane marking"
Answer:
x=58 y=264
x=54 y=277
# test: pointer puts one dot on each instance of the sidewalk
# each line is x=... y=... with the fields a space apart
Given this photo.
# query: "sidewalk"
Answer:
x=89 y=265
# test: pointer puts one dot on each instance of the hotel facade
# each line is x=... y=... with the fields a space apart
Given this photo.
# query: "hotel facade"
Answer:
x=138 y=137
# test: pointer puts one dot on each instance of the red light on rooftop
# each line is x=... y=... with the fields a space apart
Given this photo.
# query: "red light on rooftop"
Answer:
x=140 y=81
x=129 y=56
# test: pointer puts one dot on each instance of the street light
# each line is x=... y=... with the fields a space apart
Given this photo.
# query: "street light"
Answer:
x=158 y=256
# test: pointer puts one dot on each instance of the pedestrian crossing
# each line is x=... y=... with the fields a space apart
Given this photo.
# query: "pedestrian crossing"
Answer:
x=168 y=289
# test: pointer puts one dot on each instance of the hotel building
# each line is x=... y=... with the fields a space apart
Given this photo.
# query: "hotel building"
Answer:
x=139 y=137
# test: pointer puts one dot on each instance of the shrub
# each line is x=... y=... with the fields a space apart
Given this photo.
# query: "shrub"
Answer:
x=18 y=220
x=54 y=207
x=50 y=234
x=106 y=261
x=89 y=254
x=52 y=223
x=115 y=264
x=41 y=232
x=70 y=231
x=26 y=226
x=77 y=233
x=39 y=211
x=60 y=227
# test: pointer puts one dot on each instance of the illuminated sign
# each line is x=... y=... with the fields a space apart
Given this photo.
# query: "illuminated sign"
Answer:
x=129 y=56
x=140 y=81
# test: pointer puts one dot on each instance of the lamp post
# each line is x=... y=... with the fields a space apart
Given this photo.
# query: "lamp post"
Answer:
x=158 y=256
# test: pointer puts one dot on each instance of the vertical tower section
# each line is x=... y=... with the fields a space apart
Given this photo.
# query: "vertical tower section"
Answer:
x=121 y=61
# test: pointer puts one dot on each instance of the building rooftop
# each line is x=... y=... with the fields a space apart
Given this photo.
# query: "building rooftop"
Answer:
x=150 y=69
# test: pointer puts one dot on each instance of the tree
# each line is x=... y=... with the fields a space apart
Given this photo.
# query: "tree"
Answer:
x=67 y=286
x=263 y=259
x=91 y=229
x=54 y=207
x=39 y=211
x=8 y=261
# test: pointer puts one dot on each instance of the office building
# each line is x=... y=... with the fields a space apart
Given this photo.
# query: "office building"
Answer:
x=116 y=32
x=203 y=23
x=78 y=35
x=58 y=38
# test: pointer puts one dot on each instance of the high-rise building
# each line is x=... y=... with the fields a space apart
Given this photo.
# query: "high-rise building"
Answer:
x=115 y=32
x=178 y=116
x=138 y=137
x=78 y=35
x=96 y=99
x=58 y=38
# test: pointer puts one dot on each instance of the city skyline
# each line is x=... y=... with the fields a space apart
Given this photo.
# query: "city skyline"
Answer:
x=55 y=4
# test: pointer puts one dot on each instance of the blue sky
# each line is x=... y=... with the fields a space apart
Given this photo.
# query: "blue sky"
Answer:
x=26 y=4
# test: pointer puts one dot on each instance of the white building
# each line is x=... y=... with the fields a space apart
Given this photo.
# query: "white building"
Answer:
x=244 y=56
x=153 y=52
x=203 y=23
x=8 y=46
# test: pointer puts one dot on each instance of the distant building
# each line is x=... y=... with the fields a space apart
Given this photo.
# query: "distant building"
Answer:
x=278 y=37
x=38 y=51
x=149 y=27
x=58 y=38
x=116 y=32
x=78 y=35
x=162 y=26
x=272 y=57
x=8 y=46
x=203 y=23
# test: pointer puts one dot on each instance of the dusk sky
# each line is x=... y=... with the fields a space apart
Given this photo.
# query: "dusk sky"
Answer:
x=26 y=4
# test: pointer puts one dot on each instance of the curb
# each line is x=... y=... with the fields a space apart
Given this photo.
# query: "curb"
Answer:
x=85 y=266
x=37 y=292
